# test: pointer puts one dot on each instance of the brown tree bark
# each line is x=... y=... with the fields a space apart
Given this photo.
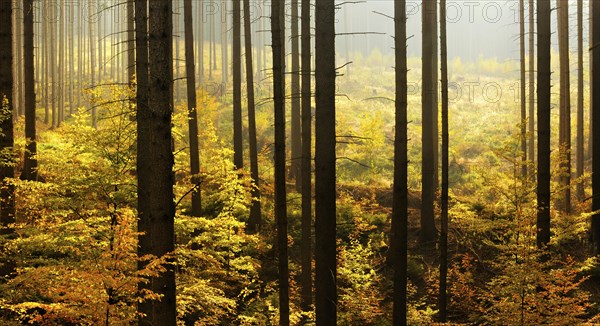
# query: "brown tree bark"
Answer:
x=531 y=120
x=277 y=43
x=30 y=161
x=325 y=176
x=255 y=214
x=92 y=59
x=7 y=199
x=564 y=138
x=156 y=208
x=595 y=74
x=443 y=292
x=429 y=111
x=522 y=85
x=580 y=124
x=236 y=54
x=306 y=224
x=295 y=99
x=190 y=70
x=399 y=236
x=543 y=122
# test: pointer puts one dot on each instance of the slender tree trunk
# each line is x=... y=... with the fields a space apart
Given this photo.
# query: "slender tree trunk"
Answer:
x=306 y=225
x=53 y=62
x=236 y=56
x=192 y=106
x=565 y=104
x=7 y=199
x=325 y=177
x=92 y=59
x=80 y=45
x=399 y=236
x=591 y=125
x=30 y=164
x=595 y=76
x=46 y=46
x=19 y=98
x=71 y=57
x=531 y=120
x=201 y=26
x=255 y=217
x=130 y=41
x=443 y=295
x=522 y=84
x=580 y=141
x=61 y=65
x=156 y=208
x=429 y=110
x=277 y=26
x=224 y=50
x=543 y=118
x=295 y=96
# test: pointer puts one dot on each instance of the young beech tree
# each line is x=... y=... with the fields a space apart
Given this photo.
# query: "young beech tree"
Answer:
x=325 y=176
x=277 y=26
x=156 y=208
x=543 y=117
x=399 y=236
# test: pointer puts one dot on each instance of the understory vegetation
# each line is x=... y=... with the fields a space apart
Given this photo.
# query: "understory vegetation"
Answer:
x=75 y=238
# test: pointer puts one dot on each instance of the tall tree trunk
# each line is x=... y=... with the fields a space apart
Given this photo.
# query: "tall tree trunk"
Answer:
x=30 y=164
x=201 y=26
x=595 y=74
x=224 y=51
x=543 y=119
x=590 y=44
x=306 y=225
x=443 y=295
x=53 y=62
x=531 y=120
x=295 y=96
x=580 y=141
x=7 y=199
x=255 y=217
x=277 y=26
x=565 y=104
x=522 y=84
x=61 y=64
x=46 y=48
x=236 y=59
x=71 y=57
x=325 y=177
x=92 y=59
x=130 y=41
x=190 y=70
x=399 y=236
x=156 y=208
x=429 y=110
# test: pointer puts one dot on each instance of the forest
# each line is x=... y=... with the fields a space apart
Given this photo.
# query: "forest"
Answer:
x=299 y=162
